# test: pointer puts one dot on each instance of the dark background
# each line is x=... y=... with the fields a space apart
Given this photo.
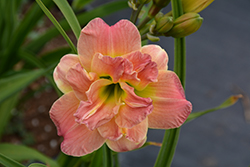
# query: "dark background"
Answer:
x=218 y=65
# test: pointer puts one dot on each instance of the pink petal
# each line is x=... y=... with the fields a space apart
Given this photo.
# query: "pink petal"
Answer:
x=158 y=55
x=94 y=105
x=62 y=112
x=139 y=60
x=169 y=113
x=167 y=86
x=110 y=130
x=138 y=132
x=78 y=140
x=61 y=70
x=108 y=66
x=98 y=37
x=80 y=80
x=125 y=38
x=93 y=39
x=135 y=109
x=171 y=108
x=124 y=144
x=81 y=141
x=147 y=75
x=102 y=115
x=129 y=75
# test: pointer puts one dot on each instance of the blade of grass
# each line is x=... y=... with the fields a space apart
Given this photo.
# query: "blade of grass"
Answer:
x=57 y=25
x=70 y=16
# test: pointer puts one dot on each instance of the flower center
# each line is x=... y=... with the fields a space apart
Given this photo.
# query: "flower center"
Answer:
x=113 y=92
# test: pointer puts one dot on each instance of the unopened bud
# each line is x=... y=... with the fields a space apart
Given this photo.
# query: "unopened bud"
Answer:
x=195 y=5
x=157 y=6
x=144 y=1
x=164 y=24
x=185 y=25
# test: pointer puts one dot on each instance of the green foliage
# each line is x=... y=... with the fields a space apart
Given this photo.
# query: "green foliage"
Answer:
x=6 y=161
x=20 y=153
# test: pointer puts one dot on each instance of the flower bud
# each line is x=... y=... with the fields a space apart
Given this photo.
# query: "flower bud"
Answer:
x=157 y=6
x=164 y=24
x=195 y=5
x=144 y=1
x=185 y=25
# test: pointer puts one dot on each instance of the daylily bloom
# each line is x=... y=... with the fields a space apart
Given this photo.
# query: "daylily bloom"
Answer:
x=114 y=90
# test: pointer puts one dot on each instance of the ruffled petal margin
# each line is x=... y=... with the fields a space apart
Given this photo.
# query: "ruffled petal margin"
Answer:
x=158 y=55
x=78 y=139
x=61 y=70
x=80 y=80
x=98 y=37
x=124 y=144
x=135 y=109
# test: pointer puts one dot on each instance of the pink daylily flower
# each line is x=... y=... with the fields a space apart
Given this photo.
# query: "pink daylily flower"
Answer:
x=114 y=90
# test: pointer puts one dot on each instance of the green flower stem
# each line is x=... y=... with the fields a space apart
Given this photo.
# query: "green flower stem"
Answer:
x=116 y=159
x=135 y=14
x=144 y=22
x=171 y=136
x=107 y=156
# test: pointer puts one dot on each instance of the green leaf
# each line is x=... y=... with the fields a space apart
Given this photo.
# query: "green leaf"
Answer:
x=227 y=103
x=13 y=84
x=70 y=16
x=6 y=161
x=20 y=153
x=5 y=111
x=79 y=4
x=57 y=25
x=37 y=165
x=36 y=45
x=31 y=18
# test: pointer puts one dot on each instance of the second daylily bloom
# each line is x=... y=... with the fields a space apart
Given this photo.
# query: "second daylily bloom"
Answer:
x=114 y=90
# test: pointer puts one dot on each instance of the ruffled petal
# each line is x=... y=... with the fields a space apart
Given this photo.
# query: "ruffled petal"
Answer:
x=129 y=75
x=147 y=75
x=80 y=80
x=167 y=86
x=110 y=130
x=135 y=109
x=81 y=141
x=108 y=66
x=96 y=99
x=102 y=115
x=78 y=140
x=169 y=113
x=61 y=70
x=124 y=144
x=139 y=60
x=62 y=112
x=138 y=132
x=158 y=55
x=98 y=37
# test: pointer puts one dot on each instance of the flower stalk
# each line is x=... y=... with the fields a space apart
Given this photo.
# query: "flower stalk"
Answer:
x=171 y=136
